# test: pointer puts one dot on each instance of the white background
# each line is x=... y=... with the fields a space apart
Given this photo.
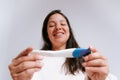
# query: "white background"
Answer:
x=94 y=22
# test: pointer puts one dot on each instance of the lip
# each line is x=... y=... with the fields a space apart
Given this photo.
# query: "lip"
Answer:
x=58 y=33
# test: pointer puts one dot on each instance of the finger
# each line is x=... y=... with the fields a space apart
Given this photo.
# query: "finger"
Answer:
x=27 y=73
x=32 y=57
x=10 y=66
x=93 y=56
x=95 y=63
x=97 y=69
x=25 y=52
x=27 y=65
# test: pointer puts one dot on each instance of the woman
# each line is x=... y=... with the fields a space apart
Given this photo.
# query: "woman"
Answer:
x=57 y=35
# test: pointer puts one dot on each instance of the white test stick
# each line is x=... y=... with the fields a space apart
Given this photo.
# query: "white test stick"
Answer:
x=72 y=52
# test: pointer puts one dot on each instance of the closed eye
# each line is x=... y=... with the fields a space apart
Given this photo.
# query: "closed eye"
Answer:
x=51 y=26
x=63 y=24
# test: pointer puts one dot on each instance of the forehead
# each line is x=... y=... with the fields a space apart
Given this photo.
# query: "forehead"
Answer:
x=56 y=17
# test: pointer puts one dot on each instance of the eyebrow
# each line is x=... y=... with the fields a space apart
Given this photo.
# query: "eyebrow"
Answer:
x=51 y=21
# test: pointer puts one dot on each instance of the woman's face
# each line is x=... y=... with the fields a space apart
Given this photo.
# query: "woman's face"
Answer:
x=58 y=30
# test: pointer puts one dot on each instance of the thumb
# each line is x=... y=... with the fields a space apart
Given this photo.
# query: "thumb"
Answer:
x=92 y=49
x=25 y=52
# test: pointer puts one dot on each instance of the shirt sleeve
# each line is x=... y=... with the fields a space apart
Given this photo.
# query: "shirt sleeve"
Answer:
x=109 y=77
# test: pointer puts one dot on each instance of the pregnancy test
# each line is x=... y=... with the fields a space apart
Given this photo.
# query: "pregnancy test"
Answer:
x=68 y=53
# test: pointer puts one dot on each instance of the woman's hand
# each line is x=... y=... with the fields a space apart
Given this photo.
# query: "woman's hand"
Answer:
x=96 y=65
x=24 y=65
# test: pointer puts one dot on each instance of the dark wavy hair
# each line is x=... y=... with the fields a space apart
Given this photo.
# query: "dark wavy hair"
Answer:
x=71 y=65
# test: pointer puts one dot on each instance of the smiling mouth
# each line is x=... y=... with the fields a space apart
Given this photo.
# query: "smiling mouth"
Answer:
x=58 y=34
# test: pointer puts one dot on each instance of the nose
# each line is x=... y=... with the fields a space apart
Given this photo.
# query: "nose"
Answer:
x=58 y=27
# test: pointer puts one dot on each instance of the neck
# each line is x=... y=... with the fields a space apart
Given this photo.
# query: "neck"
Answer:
x=58 y=47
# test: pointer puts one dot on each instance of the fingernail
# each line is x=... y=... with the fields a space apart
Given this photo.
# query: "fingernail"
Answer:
x=90 y=46
x=86 y=68
x=86 y=58
x=84 y=64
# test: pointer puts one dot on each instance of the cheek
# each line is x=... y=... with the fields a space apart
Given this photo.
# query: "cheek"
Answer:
x=49 y=31
x=67 y=31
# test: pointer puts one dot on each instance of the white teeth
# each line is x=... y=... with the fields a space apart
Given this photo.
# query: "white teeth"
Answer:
x=58 y=34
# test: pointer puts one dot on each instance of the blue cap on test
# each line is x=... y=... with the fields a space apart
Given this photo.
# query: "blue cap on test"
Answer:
x=79 y=52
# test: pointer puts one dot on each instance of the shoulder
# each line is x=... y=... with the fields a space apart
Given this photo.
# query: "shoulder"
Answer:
x=111 y=77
